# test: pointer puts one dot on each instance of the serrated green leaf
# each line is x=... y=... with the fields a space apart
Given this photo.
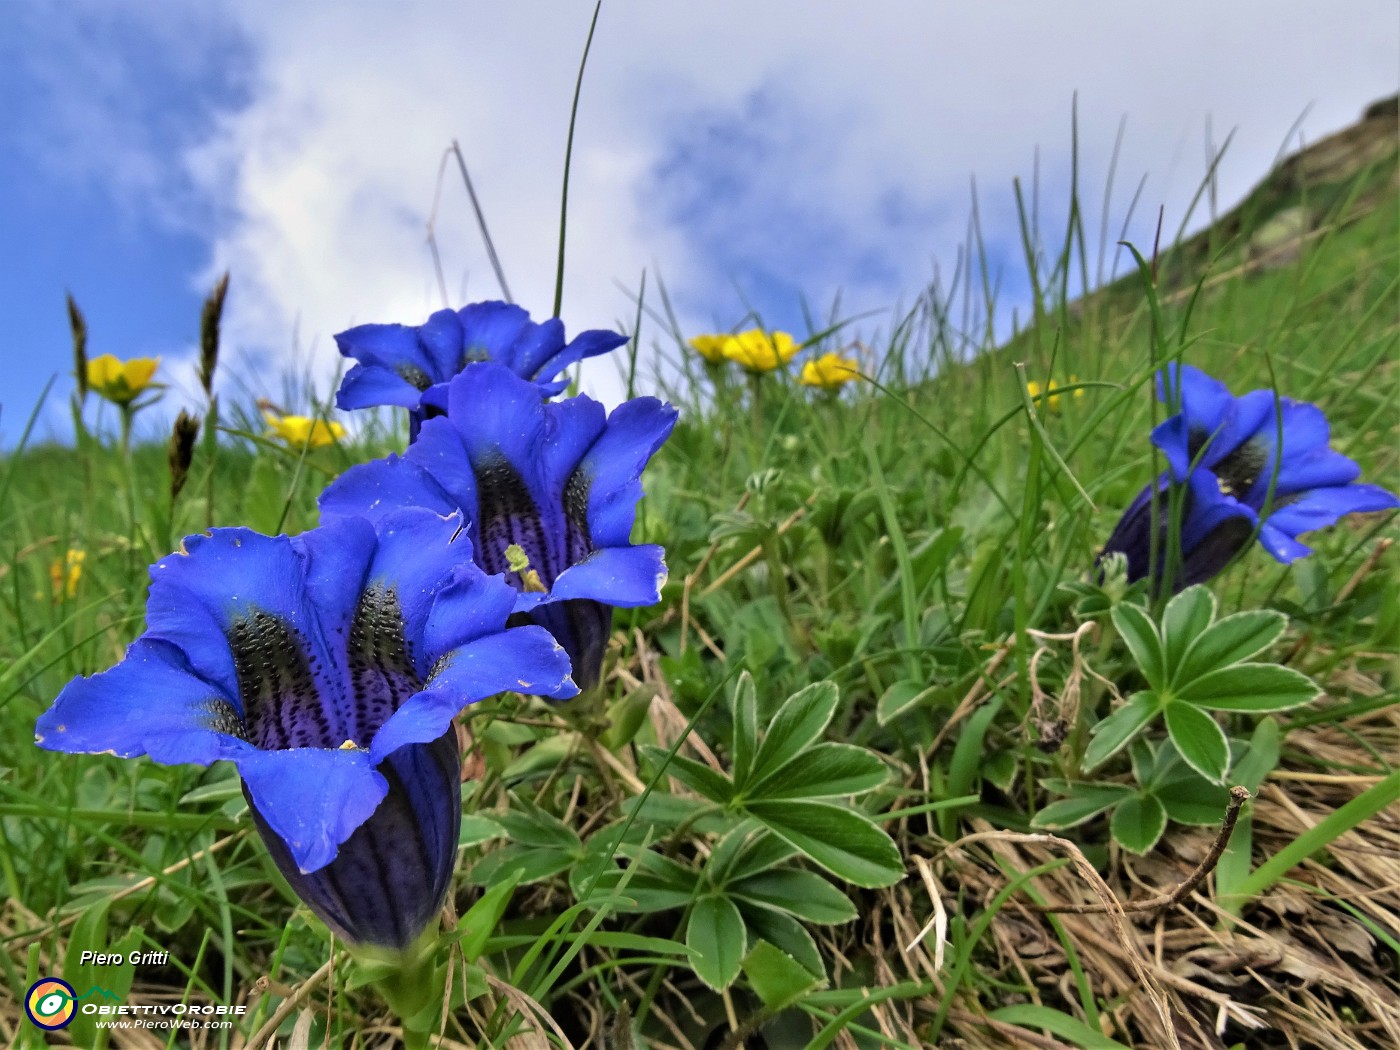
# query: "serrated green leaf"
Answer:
x=744 y=709
x=481 y=919
x=824 y=771
x=1200 y=740
x=1185 y=619
x=716 y=934
x=697 y=776
x=1256 y=688
x=1229 y=641
x=846 y=843
x=1087 y=802
x=1140 y=633
x=776 y=977
x=797 y=725
x=1118 y=728
x=1138 y=823
x=802 y=893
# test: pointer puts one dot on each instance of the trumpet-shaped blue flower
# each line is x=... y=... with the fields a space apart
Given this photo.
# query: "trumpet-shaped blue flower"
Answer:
x=1241 y=466
x=558 y=480
x=327 y=668
x=399 y=364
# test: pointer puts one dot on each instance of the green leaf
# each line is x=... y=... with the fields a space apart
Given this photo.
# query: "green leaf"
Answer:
x=1140 y=633
x=528 y=825
x=717 y=936
x=824 y=771
x=1138 y=823
x=796 y=726
x=1229 y=641
x=846 y=843
x=531 y=862
x=966 y=764
x=1110 y=735
x=1251 y=687
x=697 y=776
x=781 y=929
x=900 y=697
x=802 y=893
x=744 y=709
x=1259 y=759
x=746 y=850
x=1063 y=1026
x=1087 y=802
x=1185 y=618
x=481 y=919
x=477 y=829
x=776 y=977
x=1190 y=798
x=1200 y=740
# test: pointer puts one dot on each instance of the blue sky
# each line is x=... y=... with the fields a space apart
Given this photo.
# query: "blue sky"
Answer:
x=748 y=152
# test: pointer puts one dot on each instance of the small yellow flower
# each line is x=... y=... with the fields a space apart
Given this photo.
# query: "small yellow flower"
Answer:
x=710 y=347
x=299 y=431
x=1052 y=399
x=829 y=371
x=121 y=381
x=65 y=573
x=760 y=351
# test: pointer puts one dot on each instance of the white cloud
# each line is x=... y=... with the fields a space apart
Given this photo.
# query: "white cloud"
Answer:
x=854 y=130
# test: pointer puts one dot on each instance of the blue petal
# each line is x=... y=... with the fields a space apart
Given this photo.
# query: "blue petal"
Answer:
x=522 y=659
x=621 y=576
x=613 y=467
x=392 y=346
x=535 y=348
x=470 y=606
x=1320 y=468
x=441 y=339
x=587 y=344
x=490 y=331
x=1281 y=545
x=151 y=703
x=366 y=386
x=1207 y=509
x=372 y=490
x=389 y=879
x=312 y=798
x=582 y=627
x=1324 y=506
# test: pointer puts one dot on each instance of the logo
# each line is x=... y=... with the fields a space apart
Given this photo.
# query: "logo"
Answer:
x=49 y=1003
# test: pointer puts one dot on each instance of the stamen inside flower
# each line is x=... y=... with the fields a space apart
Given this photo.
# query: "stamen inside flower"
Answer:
x=1238 y=471
x=511 y=518
x=415 y=375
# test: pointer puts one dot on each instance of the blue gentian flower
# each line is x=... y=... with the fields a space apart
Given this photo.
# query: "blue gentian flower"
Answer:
x=1236 y=480
x=327 y=668
x=558 y=480
x=399 y=364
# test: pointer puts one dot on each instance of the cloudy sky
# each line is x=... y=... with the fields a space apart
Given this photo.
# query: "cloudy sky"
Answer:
x=747 y=151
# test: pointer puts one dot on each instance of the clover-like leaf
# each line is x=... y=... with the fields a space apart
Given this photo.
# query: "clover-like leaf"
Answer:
x=824 y=771
x=1144 y=642
x=1229 y=641
x=1138 y=822
x=717 y=935
x=1186 y=618
x=1257 y=688
x=846 y=843
x=1111 y=734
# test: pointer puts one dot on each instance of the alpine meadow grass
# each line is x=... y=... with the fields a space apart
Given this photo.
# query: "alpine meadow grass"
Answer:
x=892 y=758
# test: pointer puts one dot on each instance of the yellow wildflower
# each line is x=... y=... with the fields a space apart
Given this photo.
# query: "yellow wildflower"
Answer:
x=121 y=381
x=829 y=371
x=710 y=347
x=760 y=351
x=65 y=573
x=1052 y=399
x=299 y=431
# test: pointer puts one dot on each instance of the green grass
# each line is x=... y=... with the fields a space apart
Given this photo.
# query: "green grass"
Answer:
x=907 y=541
